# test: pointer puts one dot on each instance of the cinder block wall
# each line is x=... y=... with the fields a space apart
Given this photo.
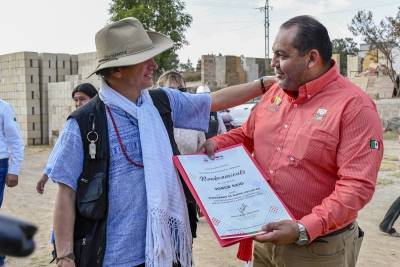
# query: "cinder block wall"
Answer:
x=388 y=108
x=240 y=71
x=251 y=68
x=231 y=72
x=60 y=106
x=47 y=74
x=19 y=85
x=220 y=70
x=60 y=102
x=261 y=66
x=208 y=75
x=353 y=66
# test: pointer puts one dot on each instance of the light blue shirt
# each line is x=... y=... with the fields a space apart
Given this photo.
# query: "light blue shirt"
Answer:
x=127 y=213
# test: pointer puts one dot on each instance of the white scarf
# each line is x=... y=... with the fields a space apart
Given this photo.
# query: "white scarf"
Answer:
x=168 y=229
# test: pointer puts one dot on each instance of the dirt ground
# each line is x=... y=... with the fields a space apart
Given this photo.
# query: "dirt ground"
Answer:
x=377 y=249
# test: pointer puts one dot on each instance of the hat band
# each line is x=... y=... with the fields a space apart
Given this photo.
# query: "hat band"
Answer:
x=118 y=55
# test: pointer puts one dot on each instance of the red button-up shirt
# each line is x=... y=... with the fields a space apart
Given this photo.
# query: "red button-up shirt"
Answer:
x=322 y=150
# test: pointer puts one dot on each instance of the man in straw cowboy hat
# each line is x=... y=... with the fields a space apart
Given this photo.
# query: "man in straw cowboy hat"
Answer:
x=143 y=219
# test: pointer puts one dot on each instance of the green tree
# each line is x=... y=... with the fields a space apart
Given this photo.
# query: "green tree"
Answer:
x=344 y=47
x=383 y=36
x=198 y=66
x=187 y=67
x=166 y=16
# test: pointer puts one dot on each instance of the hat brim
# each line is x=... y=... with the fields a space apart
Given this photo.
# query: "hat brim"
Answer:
x=160 y=42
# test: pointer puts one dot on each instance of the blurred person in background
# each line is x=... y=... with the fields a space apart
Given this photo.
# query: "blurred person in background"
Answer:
x=216 y=125
x=11 y=151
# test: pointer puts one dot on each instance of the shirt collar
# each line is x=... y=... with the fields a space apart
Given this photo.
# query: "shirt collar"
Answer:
x=311 y=88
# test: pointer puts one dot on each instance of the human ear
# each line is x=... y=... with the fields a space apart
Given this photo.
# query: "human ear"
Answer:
x=116 y=72
x=313 y=57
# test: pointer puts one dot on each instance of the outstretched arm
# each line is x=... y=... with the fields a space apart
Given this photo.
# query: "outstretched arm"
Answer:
x=238 y=94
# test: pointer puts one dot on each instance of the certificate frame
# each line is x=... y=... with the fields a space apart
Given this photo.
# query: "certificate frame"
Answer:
x=224 y=242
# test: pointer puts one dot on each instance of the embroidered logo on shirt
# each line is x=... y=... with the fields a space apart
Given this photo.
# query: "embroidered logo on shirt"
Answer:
x=320 y=114
x=277 y=101
x=373 y=144
x=15 y=119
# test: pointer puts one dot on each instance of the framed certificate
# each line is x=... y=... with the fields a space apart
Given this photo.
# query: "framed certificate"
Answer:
x=233 y=192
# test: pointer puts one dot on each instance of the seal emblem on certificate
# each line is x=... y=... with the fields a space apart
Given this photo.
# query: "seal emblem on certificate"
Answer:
x=233 y=192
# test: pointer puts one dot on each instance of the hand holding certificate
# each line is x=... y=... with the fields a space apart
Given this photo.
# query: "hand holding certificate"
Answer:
x=233 y=193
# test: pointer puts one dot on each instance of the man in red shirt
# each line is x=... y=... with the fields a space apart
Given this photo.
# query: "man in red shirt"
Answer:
x=319 y=139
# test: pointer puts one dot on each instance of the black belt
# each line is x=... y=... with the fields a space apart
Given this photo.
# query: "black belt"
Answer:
x=337 y=232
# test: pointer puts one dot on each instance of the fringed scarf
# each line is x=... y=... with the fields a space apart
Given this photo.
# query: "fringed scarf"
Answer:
x=168 y=231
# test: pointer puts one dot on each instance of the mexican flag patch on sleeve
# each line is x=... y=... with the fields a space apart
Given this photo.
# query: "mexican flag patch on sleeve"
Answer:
x=375 y=144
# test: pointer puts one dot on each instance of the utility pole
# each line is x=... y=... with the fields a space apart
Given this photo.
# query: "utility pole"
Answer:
x=266 y=27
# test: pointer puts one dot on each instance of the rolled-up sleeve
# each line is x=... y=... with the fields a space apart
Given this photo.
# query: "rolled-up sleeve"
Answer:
x=68 y=163
x=189 y=111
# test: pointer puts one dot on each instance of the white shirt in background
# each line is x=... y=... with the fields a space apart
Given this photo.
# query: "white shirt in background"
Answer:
x=188 y=141
x=11 y=144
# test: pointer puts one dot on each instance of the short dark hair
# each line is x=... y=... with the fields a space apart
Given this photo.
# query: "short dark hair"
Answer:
x=311 y=34
x=106 y=73
x=86 y=88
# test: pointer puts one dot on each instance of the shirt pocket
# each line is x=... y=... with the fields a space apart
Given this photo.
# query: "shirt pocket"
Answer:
x=313 y=146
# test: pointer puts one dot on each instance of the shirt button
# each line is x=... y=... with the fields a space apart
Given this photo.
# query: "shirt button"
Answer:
x=308 y=96
x=271 y=171
x=295 y=105
x=291 y=158
x=278 y=148
x=286 y=126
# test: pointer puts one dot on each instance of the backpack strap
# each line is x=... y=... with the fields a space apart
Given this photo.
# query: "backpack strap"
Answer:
x=162 y=103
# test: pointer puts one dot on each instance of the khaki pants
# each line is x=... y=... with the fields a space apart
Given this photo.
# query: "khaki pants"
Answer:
x=333 y=251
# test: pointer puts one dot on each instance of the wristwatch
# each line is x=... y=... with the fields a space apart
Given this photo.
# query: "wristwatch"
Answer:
x=303 y=237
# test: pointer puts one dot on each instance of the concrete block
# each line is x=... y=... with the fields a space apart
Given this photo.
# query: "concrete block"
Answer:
x=47 y=56
x=30 y=55
x=30 y=71
x=63 y=57
x=49 y=72
x=63 y=71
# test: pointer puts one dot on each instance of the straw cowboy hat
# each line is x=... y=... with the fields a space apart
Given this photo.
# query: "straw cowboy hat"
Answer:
x=126 y=42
